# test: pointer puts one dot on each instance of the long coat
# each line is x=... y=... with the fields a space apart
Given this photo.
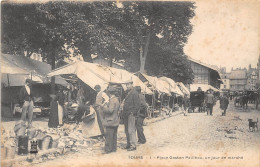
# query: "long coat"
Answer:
x=224 y=103
x=111 y=113
x=132 y=103
x=24 y=96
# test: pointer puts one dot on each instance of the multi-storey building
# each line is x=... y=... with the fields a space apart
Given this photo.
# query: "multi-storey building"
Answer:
x=225 y=86
x=238 y=80
x=252 y=75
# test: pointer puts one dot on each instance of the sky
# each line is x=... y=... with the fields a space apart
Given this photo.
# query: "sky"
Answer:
x=226 y=33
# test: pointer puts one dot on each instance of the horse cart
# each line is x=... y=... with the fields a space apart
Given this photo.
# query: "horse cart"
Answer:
x=197 y=102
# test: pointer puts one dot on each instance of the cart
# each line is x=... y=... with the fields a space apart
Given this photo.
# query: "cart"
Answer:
x=197 y=102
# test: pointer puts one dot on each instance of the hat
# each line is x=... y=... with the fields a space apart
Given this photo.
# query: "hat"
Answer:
x=28 y=81
x=112 y=89
x=138 y=88
x=97 y=87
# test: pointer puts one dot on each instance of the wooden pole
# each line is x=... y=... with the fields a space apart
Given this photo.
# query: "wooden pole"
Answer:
x=173 y=102
x=11 y=99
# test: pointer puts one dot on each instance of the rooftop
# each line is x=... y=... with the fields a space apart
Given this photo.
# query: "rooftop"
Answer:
x=238 y=74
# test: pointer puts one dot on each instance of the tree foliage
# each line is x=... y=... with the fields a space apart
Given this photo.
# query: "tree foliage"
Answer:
x=141 y=33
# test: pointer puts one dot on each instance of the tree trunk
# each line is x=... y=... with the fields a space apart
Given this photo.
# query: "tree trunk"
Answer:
x=86 y=54
x=110 y=62
x=143 y=53
x=85 y=50
x=142 y=60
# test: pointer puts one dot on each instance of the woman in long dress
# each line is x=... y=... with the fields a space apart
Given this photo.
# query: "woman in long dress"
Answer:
x=56 y=113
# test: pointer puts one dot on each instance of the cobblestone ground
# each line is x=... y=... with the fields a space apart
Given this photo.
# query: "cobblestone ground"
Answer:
x=193 y=140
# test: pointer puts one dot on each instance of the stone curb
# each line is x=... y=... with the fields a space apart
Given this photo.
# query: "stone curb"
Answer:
x=160 y=118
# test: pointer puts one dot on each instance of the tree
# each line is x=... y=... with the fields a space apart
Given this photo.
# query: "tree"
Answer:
x=165 y=23
x=99 y=28
x=170 y=64
x=129 y=32
x=37 y=28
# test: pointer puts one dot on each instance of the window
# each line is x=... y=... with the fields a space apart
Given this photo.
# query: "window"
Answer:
x=224 y=86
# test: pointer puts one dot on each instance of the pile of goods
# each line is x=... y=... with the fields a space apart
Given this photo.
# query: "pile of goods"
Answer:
x=23 y=140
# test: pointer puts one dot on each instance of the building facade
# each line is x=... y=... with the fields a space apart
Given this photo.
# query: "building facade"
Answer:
x=205 y=74
x=225 y=86
x=252 y=75
x=238 y=80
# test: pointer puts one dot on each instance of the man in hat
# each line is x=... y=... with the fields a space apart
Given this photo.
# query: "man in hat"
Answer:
x=111 y=121
x=199 y=89
x=26 y=101
x=130 y=109
x=101 y=99
x=186 y=101
x=210 y=100
x=142 y=113
x=224 y=104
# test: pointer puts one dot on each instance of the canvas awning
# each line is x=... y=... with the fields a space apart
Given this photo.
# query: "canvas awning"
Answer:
x=159 y=85
x=183 y=88
x=126 y=76
x=172 y=86
x=204 y=87
x=20 y=68
x=89 y=73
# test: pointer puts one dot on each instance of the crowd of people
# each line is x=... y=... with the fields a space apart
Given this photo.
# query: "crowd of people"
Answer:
x=111 y=110
x=131 y=111
x=208 y=100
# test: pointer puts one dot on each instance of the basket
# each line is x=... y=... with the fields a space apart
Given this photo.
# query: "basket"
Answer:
x=45 y=143
x=55 y=144
x=31 y=133
x=18 y=125
x=20 y=131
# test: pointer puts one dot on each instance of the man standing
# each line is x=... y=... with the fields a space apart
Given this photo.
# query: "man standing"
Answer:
x=26 y=100
x=224 y=104
x=131 y=107
x=142 y=113
x=111 y=121
x=209 y=100
x=101 y=99
x=185 y=104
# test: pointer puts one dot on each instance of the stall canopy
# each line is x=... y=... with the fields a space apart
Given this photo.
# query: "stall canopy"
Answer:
x=204 y=87
x=183 y=88
x=160 y=85
x=89 y=73
x=126 y=76
x=172 y=86
x=18 y=68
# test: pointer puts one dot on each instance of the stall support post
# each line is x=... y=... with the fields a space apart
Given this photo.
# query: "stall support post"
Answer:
x=173 y=103
x=11 y=98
